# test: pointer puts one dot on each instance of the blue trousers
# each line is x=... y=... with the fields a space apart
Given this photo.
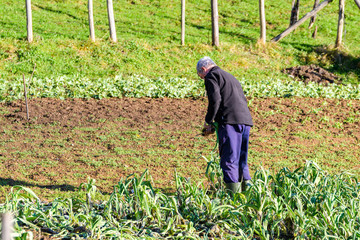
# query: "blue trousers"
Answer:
x=233 y=149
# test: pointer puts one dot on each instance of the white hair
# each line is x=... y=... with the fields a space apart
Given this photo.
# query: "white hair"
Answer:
x=205 y=62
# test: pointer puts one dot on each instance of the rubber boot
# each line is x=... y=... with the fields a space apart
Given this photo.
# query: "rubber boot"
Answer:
x=233 y=188
x=245 y=185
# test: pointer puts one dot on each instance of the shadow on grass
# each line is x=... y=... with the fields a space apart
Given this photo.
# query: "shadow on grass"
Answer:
x=337 y=61
x=344 y=63
x=58 y=11
x=246 y=39
x=11 y=182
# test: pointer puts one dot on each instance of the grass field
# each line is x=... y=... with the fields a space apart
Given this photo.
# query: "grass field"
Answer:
x=149 y=40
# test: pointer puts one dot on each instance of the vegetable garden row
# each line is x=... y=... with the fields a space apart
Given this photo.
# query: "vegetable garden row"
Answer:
x=306 y=203
x=140 y=86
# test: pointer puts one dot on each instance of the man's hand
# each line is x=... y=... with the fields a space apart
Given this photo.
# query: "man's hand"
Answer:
x=208 y=129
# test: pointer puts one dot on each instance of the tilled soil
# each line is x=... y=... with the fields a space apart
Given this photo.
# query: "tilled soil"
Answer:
x=63 y=136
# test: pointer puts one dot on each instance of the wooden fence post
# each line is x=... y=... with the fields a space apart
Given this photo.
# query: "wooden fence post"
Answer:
x=91 y=20
x=340 y=23
x=312 y=19
x=294 y=12
x=315 y=32
x=182 y=22
x=262 y=21
x=29 y=21
x=26 y=101
x=7 y=226
x=301 y=21
x=111 y=20
x=215 y=22
x=357 y=3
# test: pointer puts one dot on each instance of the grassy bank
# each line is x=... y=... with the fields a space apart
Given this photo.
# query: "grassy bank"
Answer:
x=149 y=36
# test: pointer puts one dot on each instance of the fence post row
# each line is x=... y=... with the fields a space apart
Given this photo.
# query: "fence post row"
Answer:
x=215 y=20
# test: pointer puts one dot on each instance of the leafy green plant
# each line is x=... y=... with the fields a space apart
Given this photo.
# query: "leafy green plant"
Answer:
x=306 y=203
x=141 y=86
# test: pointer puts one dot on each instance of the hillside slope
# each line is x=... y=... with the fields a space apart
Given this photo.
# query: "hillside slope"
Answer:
x=149 y=39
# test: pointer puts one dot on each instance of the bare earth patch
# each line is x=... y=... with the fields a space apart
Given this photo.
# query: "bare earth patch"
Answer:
x=65 y=142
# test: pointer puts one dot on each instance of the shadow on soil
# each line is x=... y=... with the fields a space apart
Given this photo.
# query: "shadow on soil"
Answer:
x=11 y=182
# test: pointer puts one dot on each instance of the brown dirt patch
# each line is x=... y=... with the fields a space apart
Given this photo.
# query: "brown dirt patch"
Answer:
x=312 y=73
x=136 y=112
x=67 y=141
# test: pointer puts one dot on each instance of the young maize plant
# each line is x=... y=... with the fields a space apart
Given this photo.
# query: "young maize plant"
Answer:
x=306 y=203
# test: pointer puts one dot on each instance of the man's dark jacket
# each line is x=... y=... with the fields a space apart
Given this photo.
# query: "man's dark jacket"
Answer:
x=227 y=102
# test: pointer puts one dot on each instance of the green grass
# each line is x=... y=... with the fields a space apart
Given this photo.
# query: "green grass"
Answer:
x=149 y=36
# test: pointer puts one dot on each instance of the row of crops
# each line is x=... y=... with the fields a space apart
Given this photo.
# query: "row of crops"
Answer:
x=306 y=203
x=140 y=86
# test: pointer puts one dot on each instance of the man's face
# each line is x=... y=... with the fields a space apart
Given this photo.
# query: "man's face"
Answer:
x=203 y=73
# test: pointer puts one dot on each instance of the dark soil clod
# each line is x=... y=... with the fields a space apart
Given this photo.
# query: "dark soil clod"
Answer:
x=312 y=73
